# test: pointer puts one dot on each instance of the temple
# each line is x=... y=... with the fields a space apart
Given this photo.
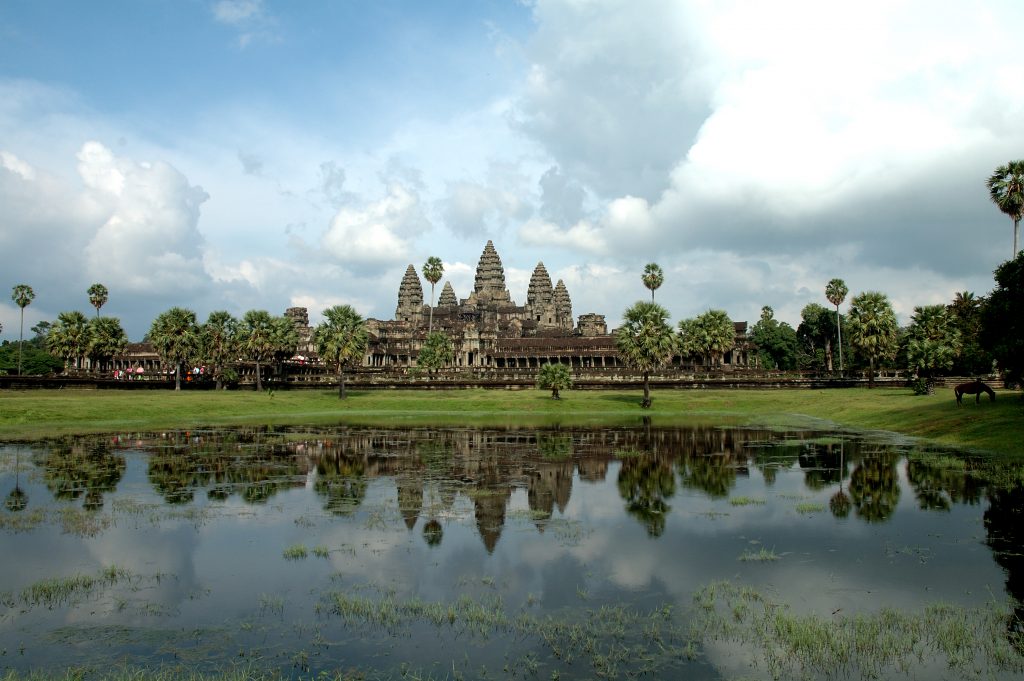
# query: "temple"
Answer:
x=489 y=330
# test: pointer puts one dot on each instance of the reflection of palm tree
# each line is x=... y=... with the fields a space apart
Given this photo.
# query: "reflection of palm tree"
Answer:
x=875 y=488
x=713 y=474
x=938 y=488
x=839 y=504
x=341 y=480
x=1004 y=527
x=17 y=500
x=79 y=469
x=433 y=533
x=645 y=483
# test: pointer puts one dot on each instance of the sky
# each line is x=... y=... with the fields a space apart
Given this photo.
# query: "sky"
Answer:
x=262 y=154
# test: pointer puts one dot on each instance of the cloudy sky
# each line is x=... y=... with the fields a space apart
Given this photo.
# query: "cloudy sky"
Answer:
x=240 y=154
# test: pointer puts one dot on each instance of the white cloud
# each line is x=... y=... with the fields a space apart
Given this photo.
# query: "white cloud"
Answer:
x=235 y=12
x=150 y=242
x=379 y=233
x=14 y=164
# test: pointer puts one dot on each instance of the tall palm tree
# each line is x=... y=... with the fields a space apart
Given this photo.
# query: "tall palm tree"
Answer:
x=22 y=295
x=873 y=328
x=433 y=270
x=645 y=341
x=653 y=278
x=257 y=339
x=175 y=336
x=106 y=339
x=97 y=296
x=1006 y=189
x=285 y=338
x=836 y=292
x=341 y=340
x=68 y=337
x=219 y=343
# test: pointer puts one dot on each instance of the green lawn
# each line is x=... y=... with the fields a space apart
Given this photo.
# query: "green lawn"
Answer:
x=996 y=426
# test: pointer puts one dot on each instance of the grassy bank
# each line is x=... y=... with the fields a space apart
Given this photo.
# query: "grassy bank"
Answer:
x=996 y=426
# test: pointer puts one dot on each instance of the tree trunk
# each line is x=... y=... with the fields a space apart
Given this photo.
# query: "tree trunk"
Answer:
x=1016 y=230
x=341 y=384
x=839 y=334
x=871 y=370
x=828 y=355
x=430 y=325
x=177 y=376
x=554 y=393
x=259 y=380
x=646 y=404
x=21 y=335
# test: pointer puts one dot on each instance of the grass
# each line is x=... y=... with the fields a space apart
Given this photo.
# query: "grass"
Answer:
x=810 y=507
x=296 y=552
x=994 y=426
x=57 y=591
x=747 y=501
x=965 y=641
x=762 y=555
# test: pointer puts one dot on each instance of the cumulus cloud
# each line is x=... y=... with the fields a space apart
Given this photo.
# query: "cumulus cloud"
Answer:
x=379 y=233
x=790 y=127
x=150 y=242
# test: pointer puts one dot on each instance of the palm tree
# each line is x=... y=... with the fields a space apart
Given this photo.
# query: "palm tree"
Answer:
x=175 y=336
x=433 y=270
x=836 y=292
x=554 y=377
x=711 y=334
x=653 y=278
x=97 y=296
x=219 y=343
x=645 y=341
x=257 y=340
x=341 y=340
x=1006 y=189
x=22 y=295
x=934 y=340
x=436 y=352
x=873 y=329
x=68 y=337
x=106 y=339
x=285 y=338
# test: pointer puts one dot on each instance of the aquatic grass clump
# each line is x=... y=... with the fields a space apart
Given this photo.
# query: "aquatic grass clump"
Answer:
x=296 y=552
x=321 y=551
x=970 y=641
x=762 y=555
x=56 y=591
x=810 y=507
x=747 y=501
x=22 y=522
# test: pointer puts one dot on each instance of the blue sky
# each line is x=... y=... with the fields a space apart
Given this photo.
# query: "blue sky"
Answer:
x=240 y=154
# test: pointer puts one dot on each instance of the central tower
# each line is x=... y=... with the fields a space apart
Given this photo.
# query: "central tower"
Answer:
x=490 y=277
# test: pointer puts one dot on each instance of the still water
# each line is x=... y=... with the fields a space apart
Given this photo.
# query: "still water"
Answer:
x=474 y=553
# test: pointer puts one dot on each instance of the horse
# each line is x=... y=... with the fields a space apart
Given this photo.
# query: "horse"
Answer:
x=975 y=387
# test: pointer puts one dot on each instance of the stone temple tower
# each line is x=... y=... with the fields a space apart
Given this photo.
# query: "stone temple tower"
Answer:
x=563 y=306
x=490 y=278
x=410 y=298
x=447 y=298
x=539 y=293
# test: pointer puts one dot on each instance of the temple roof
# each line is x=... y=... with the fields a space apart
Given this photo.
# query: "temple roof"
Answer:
x=539 y=292
x=447 y=298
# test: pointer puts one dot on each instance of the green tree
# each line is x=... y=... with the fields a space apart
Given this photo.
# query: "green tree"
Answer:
x=1006 y=189
x=653 y=277
x=341 y=340
x=710 y=334
x=286 y=340
x=98 y=296
x=36 y=361
x=554 y=377
x=836 y=292
x=433 y=270
x=1002 y=320
x=41 y=330
x=965 y=312
x=776 y=341
x=933 y=340
x=219 y=344
x=645 y=341
x=436 y=352
x=873 y=329
x=257 y=340
x=69 y=338
x=814 y=337
x=22 y=295
x=106 y=339
x=175 y=337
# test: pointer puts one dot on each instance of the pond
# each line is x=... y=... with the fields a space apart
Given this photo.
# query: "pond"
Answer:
x=569 y=553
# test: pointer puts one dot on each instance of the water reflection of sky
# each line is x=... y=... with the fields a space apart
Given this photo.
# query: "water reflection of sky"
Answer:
x=551 y=523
